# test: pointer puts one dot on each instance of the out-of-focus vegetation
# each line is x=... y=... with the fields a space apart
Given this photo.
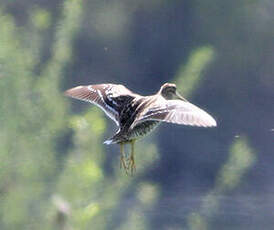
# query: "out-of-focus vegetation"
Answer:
x=190 y=75
x=241 y=158
x=55 y=173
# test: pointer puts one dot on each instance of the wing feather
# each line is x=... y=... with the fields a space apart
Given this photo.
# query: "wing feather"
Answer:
x=101 y=95
x=176 y=111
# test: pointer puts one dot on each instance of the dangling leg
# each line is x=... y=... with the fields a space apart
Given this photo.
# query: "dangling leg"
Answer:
x=132 y=165
x=122 y=158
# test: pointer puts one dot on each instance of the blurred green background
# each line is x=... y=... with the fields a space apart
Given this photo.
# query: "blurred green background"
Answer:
x=55 y=173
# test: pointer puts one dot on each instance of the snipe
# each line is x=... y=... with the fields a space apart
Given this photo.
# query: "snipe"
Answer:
x=137 y=115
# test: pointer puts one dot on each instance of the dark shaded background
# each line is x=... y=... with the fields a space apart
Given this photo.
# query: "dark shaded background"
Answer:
x=55 y=172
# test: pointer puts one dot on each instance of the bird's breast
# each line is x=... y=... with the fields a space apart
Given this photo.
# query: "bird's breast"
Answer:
x=143 y=128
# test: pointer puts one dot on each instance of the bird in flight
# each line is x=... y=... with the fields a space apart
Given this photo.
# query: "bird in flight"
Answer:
x=137 y=115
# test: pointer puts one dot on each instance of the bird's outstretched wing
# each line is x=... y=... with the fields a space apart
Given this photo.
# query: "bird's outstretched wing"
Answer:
x=101 y=95
x=175 y=111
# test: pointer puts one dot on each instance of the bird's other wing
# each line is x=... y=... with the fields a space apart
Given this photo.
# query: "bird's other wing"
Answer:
x=100 y=95
x=176 y=111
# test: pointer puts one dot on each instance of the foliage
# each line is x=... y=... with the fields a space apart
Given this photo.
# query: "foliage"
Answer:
x=189 y=75
x=32 y=115
x=54 y=171
x=241 y=158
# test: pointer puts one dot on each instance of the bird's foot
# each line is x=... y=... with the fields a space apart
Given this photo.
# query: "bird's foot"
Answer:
x=123 y=164
x=132 y=166
x=128 y=163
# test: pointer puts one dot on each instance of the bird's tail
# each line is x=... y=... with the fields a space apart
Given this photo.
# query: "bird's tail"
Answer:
x=112 y=140
x=109 y=142
x=116 y=139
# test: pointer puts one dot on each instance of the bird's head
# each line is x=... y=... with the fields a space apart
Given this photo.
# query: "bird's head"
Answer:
x=169 y=92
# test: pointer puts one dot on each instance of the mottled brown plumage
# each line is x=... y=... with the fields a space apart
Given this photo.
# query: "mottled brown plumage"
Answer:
x=137 y=115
